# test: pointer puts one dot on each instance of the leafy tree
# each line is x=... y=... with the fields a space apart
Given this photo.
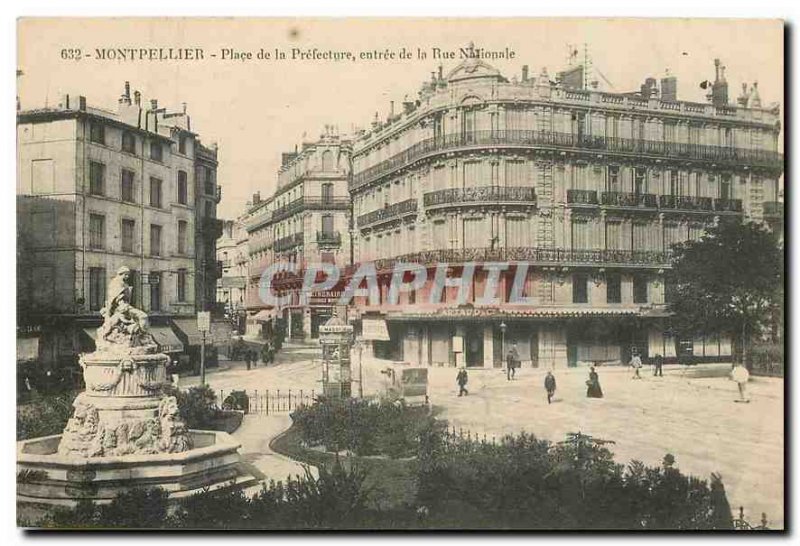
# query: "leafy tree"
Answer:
x=726 y=282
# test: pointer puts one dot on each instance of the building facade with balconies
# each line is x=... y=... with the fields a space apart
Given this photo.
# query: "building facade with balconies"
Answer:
x=98 y=190
x=590 y=188
x=306 y=220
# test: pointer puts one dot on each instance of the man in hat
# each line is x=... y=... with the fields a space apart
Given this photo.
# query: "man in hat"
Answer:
x=462 y=379
x=550 y=385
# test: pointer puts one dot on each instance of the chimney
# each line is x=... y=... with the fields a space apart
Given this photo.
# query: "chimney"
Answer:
x=524 y=72
x=153 y=104
x=391 y=108
x=441 y=74
x=137 y=98
x=82 y=103
x=257 y=198
x=669 y=89
x=741 y=100
x=183 y=104
x=719 y=90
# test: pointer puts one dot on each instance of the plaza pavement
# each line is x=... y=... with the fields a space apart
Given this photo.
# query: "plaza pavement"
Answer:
x=690 y=412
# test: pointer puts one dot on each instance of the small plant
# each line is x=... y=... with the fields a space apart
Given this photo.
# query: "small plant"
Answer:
x=236 y=400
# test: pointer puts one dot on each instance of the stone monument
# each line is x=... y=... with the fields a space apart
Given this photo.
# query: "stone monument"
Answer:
x=124 y=431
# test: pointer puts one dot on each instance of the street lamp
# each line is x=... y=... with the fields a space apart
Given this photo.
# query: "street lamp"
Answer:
x=502 y=341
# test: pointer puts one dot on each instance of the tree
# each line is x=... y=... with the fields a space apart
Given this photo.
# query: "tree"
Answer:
x=729 y=281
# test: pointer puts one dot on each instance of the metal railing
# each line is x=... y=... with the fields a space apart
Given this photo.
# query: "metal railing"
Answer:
x=773 y=208
x=685 y=202
x=329 y=238
x=290 y=241
x=625 y=199
x=572 y=141
x=582 y=197
x=388 y=212
x=480 y=194
x=311 y=203
x=266 y=402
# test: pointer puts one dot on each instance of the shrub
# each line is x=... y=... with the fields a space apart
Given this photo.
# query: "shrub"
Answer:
x=197 y=406
x=237 y=400
x=44 y=416
x=362 y=427
x=767 y=359
x=134 y=509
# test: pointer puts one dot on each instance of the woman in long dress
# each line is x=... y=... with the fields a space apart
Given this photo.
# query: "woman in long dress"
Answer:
x=593 y=389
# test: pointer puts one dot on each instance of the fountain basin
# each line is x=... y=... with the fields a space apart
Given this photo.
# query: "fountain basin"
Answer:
x=212 y=463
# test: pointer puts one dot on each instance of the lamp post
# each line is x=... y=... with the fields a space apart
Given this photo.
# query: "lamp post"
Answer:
x=502 y=342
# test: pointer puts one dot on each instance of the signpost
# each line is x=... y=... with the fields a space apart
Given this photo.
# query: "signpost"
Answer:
x=204 y=326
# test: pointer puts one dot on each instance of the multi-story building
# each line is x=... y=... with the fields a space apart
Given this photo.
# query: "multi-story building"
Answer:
x=98 y=190
x=589 y=188
x=233 y=257
x=306 y=220
x=207 y=195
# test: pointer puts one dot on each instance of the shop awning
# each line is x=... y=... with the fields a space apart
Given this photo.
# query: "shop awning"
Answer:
x=265 y=315
x=27 y=349
x=167 y=341
x=188 y=329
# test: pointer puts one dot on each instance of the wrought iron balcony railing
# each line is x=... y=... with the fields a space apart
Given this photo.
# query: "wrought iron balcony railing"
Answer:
x=582 y=197
x=388 y=212
x=480 y=194
x=544 y=256
x=728 y=205
x=329 y=238
x=288 y=242
x=568 y=141
x=685 y=202
x=623 y=199
x=310 y=203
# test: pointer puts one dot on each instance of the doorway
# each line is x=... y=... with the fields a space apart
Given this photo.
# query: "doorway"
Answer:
x=473 y=346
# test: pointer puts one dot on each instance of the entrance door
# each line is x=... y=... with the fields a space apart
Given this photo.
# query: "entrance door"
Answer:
x=473 y=346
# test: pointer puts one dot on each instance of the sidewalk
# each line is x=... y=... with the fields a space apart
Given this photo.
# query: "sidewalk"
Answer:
x=255 y=435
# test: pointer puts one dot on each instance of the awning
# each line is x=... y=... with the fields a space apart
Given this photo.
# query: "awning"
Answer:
x=188 y=329
x=167 y=341
x=27 y=349
x=265 y=315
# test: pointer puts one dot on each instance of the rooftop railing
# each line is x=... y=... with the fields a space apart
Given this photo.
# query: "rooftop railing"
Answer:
x=388 y=212
x=480 y=194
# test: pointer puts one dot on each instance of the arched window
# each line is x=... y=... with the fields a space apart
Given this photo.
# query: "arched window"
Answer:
x=327 y=160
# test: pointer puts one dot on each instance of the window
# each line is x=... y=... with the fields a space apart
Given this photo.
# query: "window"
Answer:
x=97 y=288
x=674 y=186
x=182 y=144
x=155 y=192
x=128 y=142
x=182 y=284
x=639 y=289
x=612 y=182
x=128 y=186
x=128 y=235
x=208 y=180
x=183 y=188
x=97 y=231
x=97 y=133
x=580 y=285
x=97 y=178
x=209 y=209
x=639 y=181
x=155 y=240
x=613 y=288
x=182 y=225
x=155 y=290
x=327 y=160
x=327 y=223
x=135 y=281
x=156 y=151
x=725 y=187
x=327 y=193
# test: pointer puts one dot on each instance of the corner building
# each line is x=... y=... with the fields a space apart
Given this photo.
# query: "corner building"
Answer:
x=590 y=188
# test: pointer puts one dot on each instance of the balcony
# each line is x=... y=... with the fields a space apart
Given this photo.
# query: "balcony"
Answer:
x=773 y=210
x=534 y=256
x=568 y=142
x=480 y=194
x=329 y=238
x=310 y=203
x=582 y=197
x=211 y=228
x=629 y=200
x=728 y=205
x=686 y=203
x=288 y=242
x=389 y=212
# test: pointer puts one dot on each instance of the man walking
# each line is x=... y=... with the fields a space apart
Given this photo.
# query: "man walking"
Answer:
x=658 y=365
x=550 y=385
x=740 y=374
x=247 y=359
x=462 y=379
x=636 y=364
x=512 y=361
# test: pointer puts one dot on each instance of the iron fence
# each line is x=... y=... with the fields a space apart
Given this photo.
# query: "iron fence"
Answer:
x=267 y=401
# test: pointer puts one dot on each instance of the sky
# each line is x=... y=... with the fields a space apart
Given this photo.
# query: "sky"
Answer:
x=257 y=109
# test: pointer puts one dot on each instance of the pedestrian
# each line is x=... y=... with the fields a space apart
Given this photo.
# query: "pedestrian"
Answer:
x=462 y=379
x=740 y=374
x=512 y=361
x=247 y=359
x=658 y=365
x=550 y=385
x=593 y=389
x=636 y=364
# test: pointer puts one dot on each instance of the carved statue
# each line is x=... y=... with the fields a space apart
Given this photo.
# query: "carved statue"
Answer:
x=123 y=324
